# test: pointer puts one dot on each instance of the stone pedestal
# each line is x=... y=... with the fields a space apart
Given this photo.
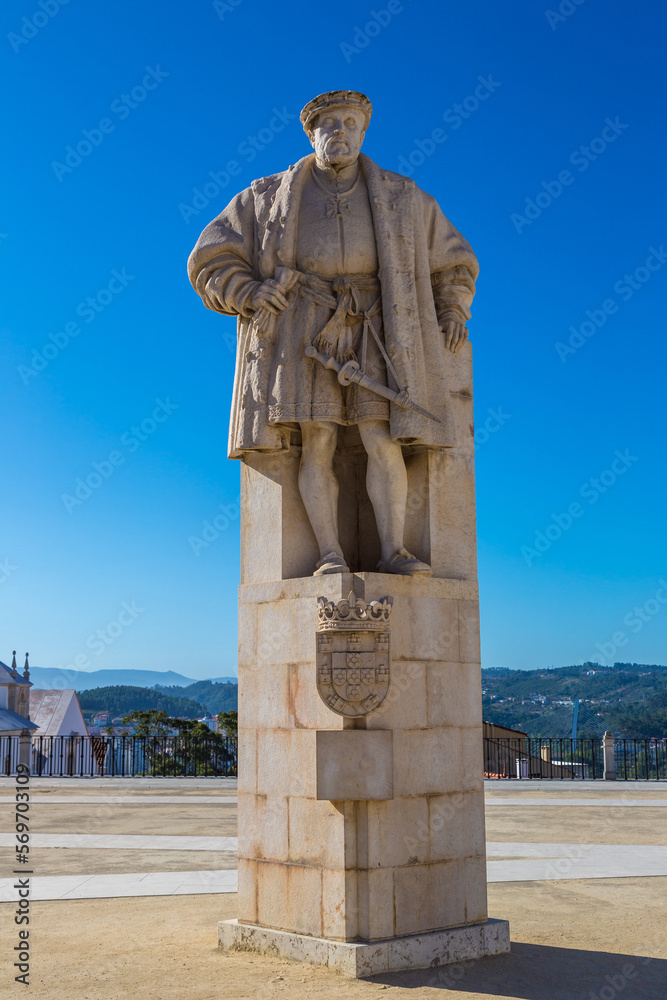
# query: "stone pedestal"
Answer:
x=359 y=959
x=361 y=840
x=409 y=857
x=25 y=746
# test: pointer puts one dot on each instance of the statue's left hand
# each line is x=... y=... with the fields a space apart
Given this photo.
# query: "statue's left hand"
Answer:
x=455 y=335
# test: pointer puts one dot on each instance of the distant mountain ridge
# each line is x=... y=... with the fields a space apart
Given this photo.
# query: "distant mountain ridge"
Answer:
x=83 y=680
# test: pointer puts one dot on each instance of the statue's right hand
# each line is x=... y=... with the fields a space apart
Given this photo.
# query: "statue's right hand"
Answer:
x=269 y=296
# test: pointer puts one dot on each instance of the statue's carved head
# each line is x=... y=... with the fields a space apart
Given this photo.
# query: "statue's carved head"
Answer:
x=336 y=124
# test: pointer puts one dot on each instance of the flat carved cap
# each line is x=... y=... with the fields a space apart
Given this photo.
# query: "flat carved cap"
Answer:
x=336 y=99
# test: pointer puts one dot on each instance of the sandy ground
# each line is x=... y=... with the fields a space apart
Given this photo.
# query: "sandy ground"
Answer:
x=571 y=825
x=165 y=820
x=600 y=939
x=568 y=938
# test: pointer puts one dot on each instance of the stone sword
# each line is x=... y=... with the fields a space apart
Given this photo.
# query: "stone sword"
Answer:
x=351 y=372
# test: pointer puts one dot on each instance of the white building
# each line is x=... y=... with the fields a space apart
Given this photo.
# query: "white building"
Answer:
x=210 y=721
x=56 y=713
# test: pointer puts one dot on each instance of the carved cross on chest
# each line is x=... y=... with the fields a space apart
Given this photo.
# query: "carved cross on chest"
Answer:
x=336 y=208
x=337 y=204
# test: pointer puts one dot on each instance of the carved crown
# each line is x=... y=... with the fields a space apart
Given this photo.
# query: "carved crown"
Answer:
x=353 y=614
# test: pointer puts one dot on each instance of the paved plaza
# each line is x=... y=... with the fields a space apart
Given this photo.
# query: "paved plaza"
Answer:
x=579 y=869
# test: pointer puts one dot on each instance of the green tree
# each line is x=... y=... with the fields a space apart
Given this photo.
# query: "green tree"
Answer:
x=229 y=721
x=200 y=751
x=151 y=722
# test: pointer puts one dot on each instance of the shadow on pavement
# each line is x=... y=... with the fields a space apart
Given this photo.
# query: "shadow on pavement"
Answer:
x=540 y=972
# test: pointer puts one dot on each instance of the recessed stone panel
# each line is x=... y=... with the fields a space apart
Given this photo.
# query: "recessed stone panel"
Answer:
x=355 y=764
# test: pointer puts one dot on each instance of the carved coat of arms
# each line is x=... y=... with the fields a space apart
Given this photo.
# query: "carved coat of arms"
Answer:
x=353 y=654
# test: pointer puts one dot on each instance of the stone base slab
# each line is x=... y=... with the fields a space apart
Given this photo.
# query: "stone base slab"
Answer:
x=419 y=951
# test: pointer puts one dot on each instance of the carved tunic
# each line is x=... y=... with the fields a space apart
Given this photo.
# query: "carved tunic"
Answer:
x=335 y=234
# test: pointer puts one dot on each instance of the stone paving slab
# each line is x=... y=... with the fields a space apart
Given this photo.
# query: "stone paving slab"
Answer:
x=133 y=800
x=528 y=786
x=522 y=862
x=137 y=842
x=530 y=849
x=217 y=786
x=542 y=871
x=601 y=803
x=539 y=862
x=53 y=861
x=490 y=800
x=123 y=884
x=587 y=784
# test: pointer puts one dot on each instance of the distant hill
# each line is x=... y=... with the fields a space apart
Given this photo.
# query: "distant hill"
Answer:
x=628 y=698
x=84 y=680
x=192 y=702
x=123 y=699
x=217 y=696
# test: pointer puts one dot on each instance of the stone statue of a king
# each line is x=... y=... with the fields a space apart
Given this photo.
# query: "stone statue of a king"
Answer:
x=361 y=840
x=352 y=292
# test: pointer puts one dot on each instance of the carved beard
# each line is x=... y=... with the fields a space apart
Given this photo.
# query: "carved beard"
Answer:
x=341 y=156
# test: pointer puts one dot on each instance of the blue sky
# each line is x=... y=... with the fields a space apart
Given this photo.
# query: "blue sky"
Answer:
x=555 y=174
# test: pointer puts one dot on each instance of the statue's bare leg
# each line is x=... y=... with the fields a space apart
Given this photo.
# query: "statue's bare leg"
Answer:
x=387 y=485
x=318 y=485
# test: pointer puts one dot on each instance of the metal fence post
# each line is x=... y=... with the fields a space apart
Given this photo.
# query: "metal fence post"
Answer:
x=608 y=753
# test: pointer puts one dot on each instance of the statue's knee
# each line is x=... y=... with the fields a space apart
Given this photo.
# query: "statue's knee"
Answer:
x=319 y=441
x=378 y=442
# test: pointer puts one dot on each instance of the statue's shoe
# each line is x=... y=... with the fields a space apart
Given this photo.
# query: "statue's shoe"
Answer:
x=404 y=563
x=331 y=563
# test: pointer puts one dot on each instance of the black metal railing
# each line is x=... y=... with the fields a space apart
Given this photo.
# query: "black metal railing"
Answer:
x=534 y=757
x=121 y=756
x=640 y=760
x=183 y=757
